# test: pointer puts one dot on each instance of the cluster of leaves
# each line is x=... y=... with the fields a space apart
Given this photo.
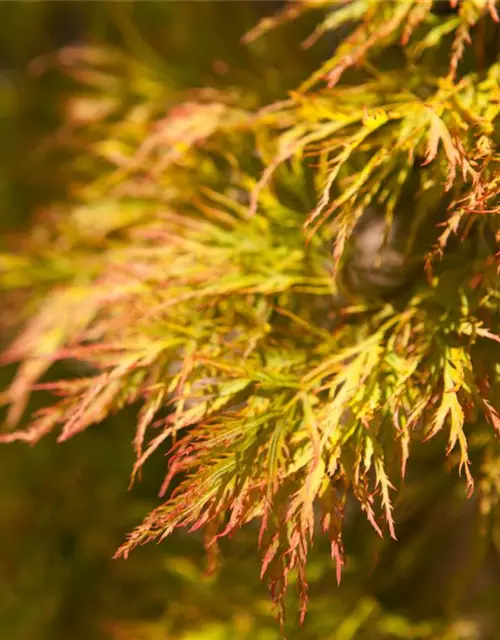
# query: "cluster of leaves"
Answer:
x=193 y=272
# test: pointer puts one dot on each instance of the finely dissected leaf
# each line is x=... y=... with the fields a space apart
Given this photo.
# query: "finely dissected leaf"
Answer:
x=439 y=133
x=383 y=25
x=453 y=381
x=417 y=15
x=352 y=11
x=289 y=12
x=493 y=415
x=201 y=271
x=385 y=485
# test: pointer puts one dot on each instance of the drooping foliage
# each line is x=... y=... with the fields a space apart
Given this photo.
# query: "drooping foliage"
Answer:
x=201 y=269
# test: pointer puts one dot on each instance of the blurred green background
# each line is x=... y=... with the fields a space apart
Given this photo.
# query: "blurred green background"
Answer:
x=64 y=509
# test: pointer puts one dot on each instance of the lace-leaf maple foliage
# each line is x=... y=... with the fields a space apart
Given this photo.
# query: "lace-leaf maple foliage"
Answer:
x=200 y=271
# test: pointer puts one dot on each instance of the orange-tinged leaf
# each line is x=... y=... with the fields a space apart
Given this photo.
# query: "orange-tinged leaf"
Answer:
x=493 y=416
